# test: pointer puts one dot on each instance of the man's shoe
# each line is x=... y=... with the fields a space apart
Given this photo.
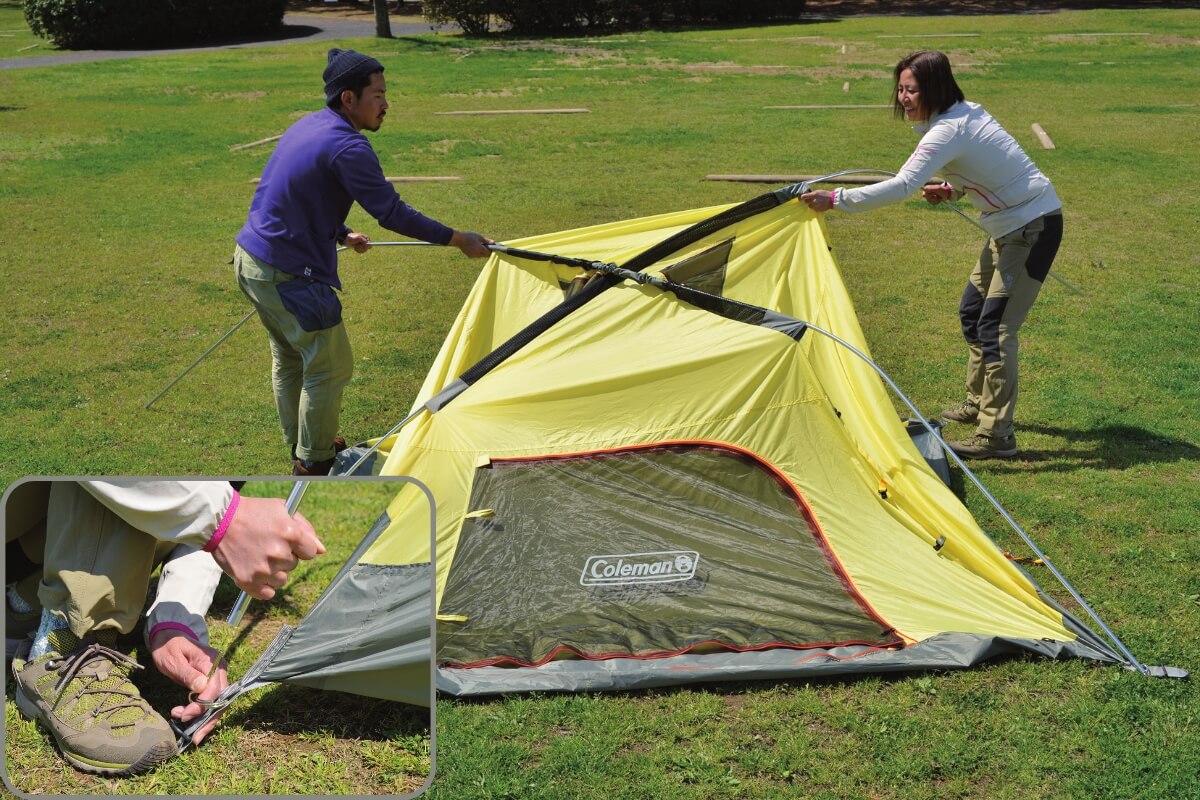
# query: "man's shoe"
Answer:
x=304 y=468
x=97 y=716
x=983 y=446
x=966 y=411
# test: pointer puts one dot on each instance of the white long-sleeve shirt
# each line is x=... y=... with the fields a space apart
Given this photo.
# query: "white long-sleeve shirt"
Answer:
x=974 y=155
x=187 y=512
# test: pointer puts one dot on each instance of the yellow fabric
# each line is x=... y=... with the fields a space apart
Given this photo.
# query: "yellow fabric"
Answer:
x=638 y=366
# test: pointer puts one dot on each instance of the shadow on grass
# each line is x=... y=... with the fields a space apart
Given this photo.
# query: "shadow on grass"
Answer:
x=288 y=710
x=282 y=34
x=1108 y=447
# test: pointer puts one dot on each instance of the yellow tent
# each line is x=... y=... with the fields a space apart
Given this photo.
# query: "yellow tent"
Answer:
x=639 y=485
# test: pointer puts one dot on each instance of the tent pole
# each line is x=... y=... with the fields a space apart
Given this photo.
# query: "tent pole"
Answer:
x=795 y=190
x=239 y=608
x=242 y=321
x=1137 y=665
x=214 y=707
x=203 y=356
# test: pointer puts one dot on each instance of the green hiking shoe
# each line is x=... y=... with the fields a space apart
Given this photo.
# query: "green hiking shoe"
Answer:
x=97 y=716
x=983 y=446
x=966 y=411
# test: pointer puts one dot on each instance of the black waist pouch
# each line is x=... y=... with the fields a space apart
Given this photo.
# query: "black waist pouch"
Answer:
x=314 y=305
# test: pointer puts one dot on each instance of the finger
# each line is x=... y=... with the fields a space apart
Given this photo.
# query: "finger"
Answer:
x=206 y=730
x=187 y=713
x=307 y=545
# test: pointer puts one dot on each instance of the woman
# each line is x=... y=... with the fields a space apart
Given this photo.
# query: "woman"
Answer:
x=1020 y=211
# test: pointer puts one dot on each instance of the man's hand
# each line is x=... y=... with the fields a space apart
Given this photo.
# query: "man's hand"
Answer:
x=358 y=242
x=188 y=663
x=263 y=544
x=472 y=244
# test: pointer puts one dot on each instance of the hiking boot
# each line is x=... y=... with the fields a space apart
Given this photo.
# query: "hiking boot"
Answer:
x=966 y=411
x=85 y=699
x=983 y=446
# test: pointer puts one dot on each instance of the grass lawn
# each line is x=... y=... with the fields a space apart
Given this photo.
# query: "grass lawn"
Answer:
x=121 y=192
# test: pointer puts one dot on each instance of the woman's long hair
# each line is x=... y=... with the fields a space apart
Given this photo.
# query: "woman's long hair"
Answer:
x=939 y=90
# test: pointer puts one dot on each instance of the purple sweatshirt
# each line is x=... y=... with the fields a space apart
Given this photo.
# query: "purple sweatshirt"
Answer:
x=319 y=168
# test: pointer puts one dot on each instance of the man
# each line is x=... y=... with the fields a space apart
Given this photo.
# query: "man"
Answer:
x=286 y=255
x=87 y=549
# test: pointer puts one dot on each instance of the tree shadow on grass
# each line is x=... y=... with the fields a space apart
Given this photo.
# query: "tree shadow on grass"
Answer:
x=1107 y=447
x=283 y=34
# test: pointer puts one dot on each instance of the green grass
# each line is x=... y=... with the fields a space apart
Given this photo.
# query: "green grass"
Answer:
x=121 y=197
x=281 y=739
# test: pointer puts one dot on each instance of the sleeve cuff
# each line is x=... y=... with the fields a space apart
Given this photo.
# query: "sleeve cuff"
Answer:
x=170 y=626
x=223 y=525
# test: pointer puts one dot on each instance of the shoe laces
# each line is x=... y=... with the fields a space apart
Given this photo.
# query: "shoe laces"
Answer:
x=103 y=661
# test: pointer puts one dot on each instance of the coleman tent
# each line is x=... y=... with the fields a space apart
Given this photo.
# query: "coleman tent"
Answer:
x=659 y=453
x=649 y=469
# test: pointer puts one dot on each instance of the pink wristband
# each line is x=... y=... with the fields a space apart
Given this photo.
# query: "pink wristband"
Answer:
x=171 y=626
x=223 y=526
x=833 y=198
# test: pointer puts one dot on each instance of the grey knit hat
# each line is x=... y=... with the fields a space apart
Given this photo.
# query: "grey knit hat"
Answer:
x=346 y=70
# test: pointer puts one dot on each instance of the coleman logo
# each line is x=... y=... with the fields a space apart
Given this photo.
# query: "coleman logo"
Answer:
x=630 y=568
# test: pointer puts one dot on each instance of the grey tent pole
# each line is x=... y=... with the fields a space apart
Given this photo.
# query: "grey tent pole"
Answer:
x=293 y=502
x=797 y=189
x=242 y=321
x=1137 y=665
x=203 y=355
x=216 y=706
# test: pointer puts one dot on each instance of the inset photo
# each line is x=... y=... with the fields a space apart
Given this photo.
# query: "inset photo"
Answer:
x=217 y=637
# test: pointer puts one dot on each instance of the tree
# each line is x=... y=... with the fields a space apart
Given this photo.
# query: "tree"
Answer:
x=383 y=25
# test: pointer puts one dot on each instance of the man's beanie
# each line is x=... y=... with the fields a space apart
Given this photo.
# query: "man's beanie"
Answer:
x=347 y=69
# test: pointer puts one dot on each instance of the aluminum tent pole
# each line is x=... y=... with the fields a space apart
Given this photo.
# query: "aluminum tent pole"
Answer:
x=203 y=356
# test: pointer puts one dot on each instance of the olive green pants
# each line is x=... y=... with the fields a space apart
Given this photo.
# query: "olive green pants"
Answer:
x=309 y=369
x=94 y=568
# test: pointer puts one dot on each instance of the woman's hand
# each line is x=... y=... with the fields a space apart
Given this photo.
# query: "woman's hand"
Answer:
x=937 y=193
x=818 y=201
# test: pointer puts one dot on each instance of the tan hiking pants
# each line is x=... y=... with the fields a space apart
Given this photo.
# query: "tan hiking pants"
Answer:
x=96 y=568
x=309 y=369
x=1001 y=290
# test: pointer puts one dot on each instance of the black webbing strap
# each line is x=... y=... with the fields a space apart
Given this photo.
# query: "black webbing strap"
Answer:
x=641 y=261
